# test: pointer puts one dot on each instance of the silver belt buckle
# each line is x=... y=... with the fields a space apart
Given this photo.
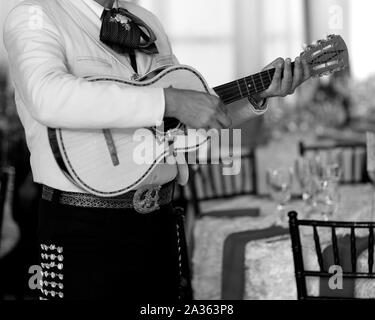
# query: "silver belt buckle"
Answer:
x=146 y=199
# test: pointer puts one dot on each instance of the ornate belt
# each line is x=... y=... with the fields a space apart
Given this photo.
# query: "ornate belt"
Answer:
x=146 y=199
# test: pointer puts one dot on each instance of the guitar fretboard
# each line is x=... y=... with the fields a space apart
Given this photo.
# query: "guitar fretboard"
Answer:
x=245 y=87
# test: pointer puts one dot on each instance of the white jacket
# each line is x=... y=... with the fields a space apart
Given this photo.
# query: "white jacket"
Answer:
x=52 y=45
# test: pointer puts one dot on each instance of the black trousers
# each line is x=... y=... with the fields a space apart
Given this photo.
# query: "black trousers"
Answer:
x=89 y=253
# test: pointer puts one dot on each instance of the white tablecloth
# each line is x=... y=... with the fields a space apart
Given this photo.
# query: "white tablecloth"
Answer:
x=269 y=263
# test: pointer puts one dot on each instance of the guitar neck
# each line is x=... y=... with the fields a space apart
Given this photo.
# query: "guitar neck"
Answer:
x=245 y=87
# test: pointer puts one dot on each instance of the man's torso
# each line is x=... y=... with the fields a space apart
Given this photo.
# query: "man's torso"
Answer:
x=85 y=56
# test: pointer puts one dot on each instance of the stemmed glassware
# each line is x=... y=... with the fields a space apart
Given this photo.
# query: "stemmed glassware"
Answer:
x=307 y=174
x=319 y=179
x=279 y=182
x=328 y=197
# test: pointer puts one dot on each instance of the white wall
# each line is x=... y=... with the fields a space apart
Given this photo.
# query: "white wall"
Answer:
x=362 y=42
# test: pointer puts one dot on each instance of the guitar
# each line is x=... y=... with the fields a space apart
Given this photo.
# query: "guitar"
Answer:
x=106 y=162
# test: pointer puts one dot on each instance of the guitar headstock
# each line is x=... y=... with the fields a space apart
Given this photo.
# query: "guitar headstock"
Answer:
x=327 y=56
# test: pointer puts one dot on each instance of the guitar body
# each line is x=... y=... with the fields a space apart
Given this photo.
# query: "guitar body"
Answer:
x=109 y=163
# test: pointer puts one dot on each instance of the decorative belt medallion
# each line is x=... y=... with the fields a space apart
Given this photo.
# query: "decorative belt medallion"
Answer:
x=146 y=199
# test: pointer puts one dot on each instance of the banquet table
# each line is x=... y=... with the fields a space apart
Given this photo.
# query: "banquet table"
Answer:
x=268 y=263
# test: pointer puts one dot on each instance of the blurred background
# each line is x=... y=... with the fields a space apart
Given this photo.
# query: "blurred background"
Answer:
x=224 y=40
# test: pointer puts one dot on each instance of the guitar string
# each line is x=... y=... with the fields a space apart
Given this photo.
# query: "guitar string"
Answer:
x=234 y=93
x=118 y=142
x=252 y=79
x=246 y=79
x=232 y=87
x=243 y=80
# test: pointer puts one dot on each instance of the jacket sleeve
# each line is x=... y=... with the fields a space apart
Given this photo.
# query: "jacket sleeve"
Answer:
x=58 y=99
x=242 y=111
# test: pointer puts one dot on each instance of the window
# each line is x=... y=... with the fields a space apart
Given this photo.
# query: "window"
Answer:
x=228 y=39
x=201 y=33
x=283 y=28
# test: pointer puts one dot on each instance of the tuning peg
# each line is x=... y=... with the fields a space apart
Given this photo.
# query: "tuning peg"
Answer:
x=304 y=46
x=331 y=36
x=309 y=47
x=320 y=42
x=327 y=73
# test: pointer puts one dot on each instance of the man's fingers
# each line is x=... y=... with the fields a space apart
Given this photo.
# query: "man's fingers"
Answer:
x=286 y=83
x=306 y=70
x=286 y=80
x=215 y=125
x=224 y=120
x=276 y=81
x=222 y=115
x=271 y=65
x=277 y=62
x=297 y=74
x=275 y=85
x=223 y=108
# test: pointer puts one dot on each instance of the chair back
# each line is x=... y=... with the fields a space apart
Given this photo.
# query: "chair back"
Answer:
x=299 y=266
x=353 y=157
x=216 y=180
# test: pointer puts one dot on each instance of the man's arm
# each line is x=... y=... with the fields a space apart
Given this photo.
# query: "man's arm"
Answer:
x=284 y=83
x=57 y=98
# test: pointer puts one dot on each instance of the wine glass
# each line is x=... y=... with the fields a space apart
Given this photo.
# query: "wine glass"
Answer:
x=279 y=182
x=331 y=164
x=330 y=171
x=327 y=199
x=307 y=174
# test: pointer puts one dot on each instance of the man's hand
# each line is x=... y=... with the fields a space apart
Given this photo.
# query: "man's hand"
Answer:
x=284 y=82
x=197 y=110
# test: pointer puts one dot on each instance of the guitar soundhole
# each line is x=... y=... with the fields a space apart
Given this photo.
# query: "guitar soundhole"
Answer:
x=170 y=123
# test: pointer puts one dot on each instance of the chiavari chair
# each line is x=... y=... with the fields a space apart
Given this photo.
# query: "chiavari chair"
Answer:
x=351 y=273
x=353 y=158
x=209 y=183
